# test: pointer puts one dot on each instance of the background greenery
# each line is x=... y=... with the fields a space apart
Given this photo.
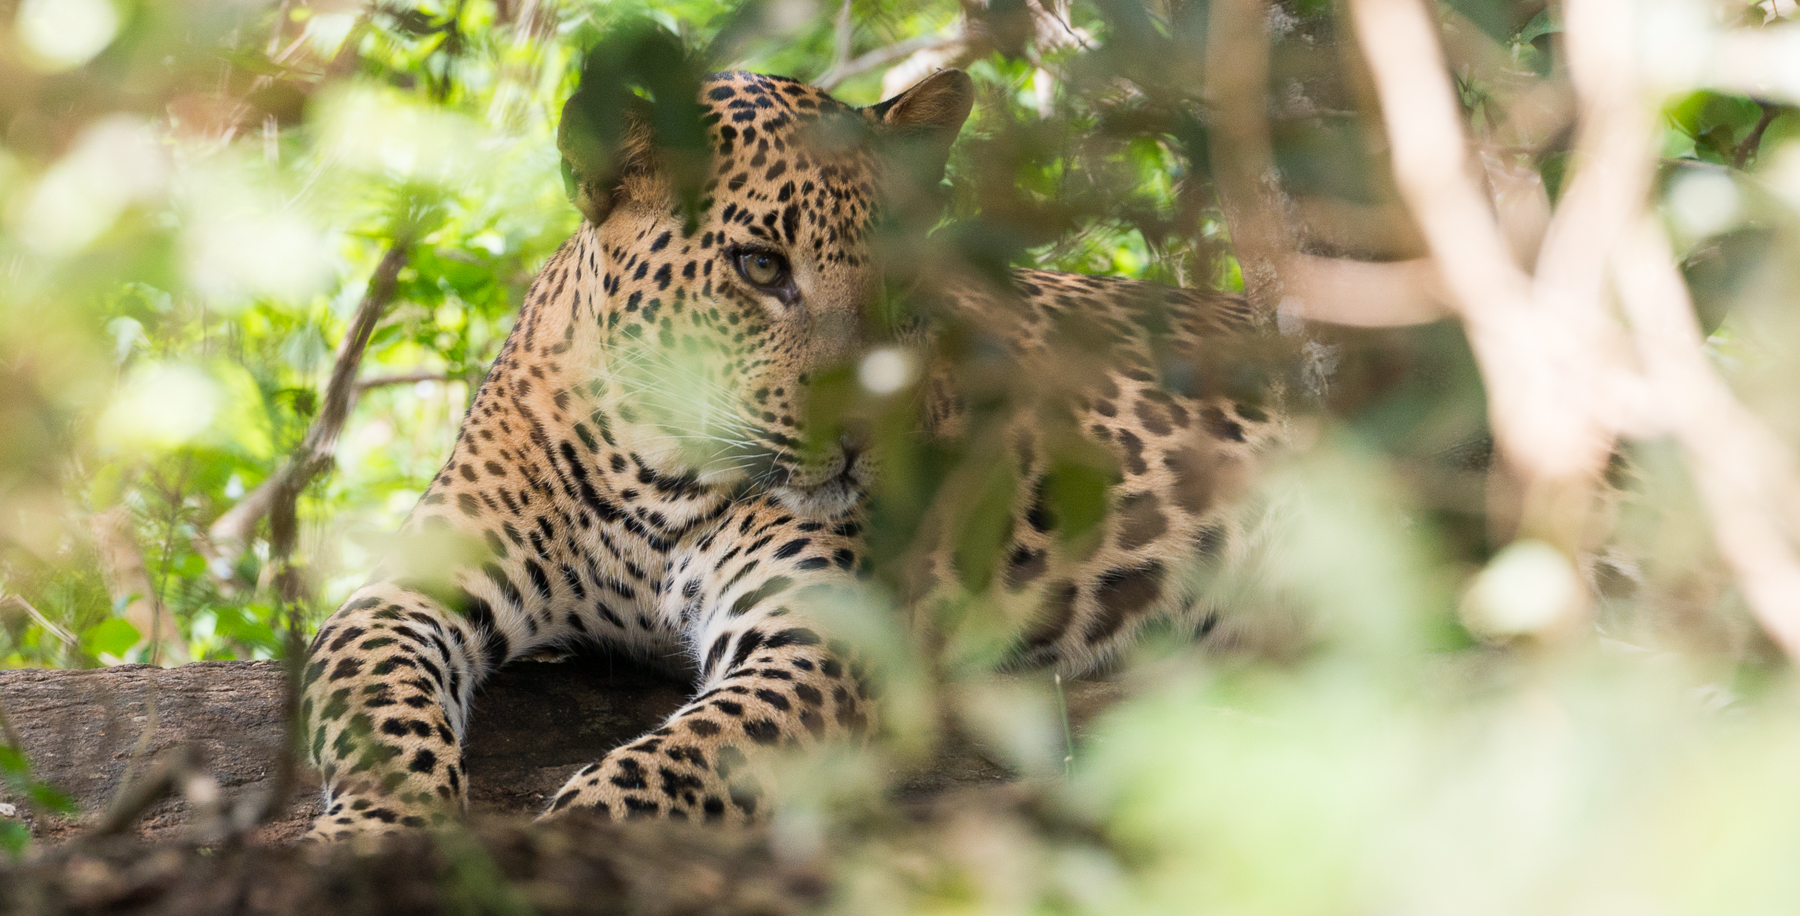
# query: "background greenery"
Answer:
x=194 y=195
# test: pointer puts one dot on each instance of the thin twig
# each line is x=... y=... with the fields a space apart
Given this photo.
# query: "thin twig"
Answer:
x=170 y=771
x=842 y=33
x=320 y=444
x=68 y=640
x=881 y=57
x=168 y=559
x=128 y=582
x=311 y=459
x=1752 y=142
x=403 y=378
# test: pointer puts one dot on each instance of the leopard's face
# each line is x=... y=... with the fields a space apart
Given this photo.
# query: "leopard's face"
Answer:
x=716 y=330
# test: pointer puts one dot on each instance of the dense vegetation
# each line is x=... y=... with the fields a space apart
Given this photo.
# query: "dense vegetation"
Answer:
x=200 y=198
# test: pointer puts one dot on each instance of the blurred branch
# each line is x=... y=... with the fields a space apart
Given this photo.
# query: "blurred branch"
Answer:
x=277 y=495
x=1237 y=79
x=1363 y=294
x=1744 y=474
x=68 y=640
x=1555 y=358
x=1753 y=61
x=968 y=40
x=842 y=34
x=403 y=378
x=1752 y=141
x=1541 y=390
x=882 y=57
x=1276 y=277
x=128 y=582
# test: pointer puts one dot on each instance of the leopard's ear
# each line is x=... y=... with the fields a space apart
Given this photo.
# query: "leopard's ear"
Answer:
x=928 y=117
x=601 y=144
x=636 y=114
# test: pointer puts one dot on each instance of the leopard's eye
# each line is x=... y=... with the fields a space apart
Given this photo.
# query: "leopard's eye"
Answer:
x=762 y=269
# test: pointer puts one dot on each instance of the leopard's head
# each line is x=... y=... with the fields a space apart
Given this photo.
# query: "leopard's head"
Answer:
x=719 y=311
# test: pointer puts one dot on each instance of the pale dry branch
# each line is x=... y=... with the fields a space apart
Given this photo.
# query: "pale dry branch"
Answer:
x=63 y=636
x=1743 y=472
x=843 y=32
x=1243 y=157
x=1278 y=278
x=1546 y=411
x=957 y=46
x=1363 y=294
x=1564 y=374
x=400 y=378
x=1754 y=62
x=887 y=56
x=1745 y=475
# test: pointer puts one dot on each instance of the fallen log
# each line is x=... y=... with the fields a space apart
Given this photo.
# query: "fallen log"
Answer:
x=91 y=733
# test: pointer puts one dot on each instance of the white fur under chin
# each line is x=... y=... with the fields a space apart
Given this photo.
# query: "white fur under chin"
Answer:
x=840 y=490
x=835 y=497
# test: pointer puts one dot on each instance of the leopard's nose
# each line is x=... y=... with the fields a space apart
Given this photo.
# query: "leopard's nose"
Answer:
x=854 y=440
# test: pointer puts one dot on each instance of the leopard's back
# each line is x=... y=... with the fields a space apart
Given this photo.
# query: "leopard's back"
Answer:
x=1148 y=403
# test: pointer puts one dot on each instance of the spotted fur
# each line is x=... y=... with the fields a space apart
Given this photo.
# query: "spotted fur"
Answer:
x=633 y=473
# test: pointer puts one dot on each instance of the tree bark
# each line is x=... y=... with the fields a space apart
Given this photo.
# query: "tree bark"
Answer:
x=90 y=732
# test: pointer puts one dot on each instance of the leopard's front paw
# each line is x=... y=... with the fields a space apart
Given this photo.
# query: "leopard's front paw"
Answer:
x=350 y=817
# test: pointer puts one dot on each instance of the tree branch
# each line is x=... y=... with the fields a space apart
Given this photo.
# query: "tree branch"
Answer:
x=1237 y=78
x=1556 y=360
x=68 y=640
x=1752 y=142
x=402 y=378
x=1276 y=277
x=882 y=57
x=1744 y=474
x=276 y=496
x=1536 y=360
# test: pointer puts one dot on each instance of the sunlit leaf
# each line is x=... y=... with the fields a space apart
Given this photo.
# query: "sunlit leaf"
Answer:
x=111 y=637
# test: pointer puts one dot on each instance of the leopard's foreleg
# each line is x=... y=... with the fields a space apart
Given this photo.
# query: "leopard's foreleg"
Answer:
x=386 y=699
x=770 y=680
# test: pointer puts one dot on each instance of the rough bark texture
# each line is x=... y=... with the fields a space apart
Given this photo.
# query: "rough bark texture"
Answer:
x=91 y=732
x=84 y=731
x=577 y=866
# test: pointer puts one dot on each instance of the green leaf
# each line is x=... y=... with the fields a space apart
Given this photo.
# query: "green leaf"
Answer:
x=1544 y=23
x=190 y=566
x=14 y=838
x=986 y=529
x=110 y=637
x=1076 y=495
x=48 y=796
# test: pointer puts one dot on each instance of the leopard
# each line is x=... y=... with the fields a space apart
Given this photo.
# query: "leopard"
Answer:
x=637 y=471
